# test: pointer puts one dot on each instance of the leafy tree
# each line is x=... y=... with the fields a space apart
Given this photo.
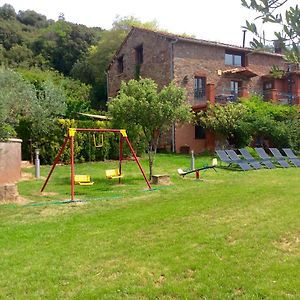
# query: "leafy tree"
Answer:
x=272 y=122
x=19 y=55
x=254 y=119
x=32 y=18
x=227 y=121
x=76 y=93
x=37 y=106
x=64 y=43
x=15 y=102
x=7 y=12
x=140 y=105
x=289 y=20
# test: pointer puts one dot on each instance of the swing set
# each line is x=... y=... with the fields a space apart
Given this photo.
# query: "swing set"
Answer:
x=109 y=173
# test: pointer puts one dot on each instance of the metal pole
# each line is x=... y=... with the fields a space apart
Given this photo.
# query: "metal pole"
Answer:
x=120 y=156
x=72 y=167
x=55 y=162
x=137 y=161
x=192 y=160
x=37 y=164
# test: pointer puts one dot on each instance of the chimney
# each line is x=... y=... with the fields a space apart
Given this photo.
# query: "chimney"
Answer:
x=244 y=37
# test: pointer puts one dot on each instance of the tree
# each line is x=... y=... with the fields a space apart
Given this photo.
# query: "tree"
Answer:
x=226 y=120
x=256 y=120
x=140 y=105
x=7 y=12
x=289 y=21
x=38 y=106
x=32 y=18
x=15 y=102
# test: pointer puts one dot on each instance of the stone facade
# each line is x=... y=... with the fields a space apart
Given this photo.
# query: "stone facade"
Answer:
x=169 y=57
x=156 y=60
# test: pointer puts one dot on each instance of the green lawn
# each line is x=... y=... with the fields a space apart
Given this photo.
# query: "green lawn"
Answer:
x=232 y=235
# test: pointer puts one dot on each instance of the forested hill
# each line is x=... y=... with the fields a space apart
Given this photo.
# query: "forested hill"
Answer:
x=29 y=39
x=35 y=46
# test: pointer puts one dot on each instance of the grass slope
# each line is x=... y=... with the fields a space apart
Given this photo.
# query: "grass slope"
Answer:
x=231 y=235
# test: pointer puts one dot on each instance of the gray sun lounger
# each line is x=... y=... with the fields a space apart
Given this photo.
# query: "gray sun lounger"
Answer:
x=279 y=157
x=224 y=157
x=250 y=159
x=292 y=157
x=231 y=159
x=242 y=163
x=266 y=159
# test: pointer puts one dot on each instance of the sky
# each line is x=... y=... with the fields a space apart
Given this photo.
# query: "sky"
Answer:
x=214 y=20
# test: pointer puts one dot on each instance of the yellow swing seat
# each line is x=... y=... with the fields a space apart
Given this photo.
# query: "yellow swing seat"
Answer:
x=83 y=180
x=112 y=174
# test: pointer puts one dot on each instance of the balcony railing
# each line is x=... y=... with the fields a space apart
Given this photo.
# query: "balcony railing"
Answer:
x=224 y=96
x=280 y=97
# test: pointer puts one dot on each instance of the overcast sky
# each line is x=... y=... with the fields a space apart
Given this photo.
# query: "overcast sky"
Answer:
x=215 y=20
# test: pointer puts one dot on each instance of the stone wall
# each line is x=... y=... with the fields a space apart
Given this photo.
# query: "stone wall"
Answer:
x=156 y=60
x=10 y=161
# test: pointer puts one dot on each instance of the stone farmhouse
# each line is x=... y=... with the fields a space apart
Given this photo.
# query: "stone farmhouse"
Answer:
x=210 y=71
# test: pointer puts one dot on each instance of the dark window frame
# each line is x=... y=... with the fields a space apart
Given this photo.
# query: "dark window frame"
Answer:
x=199 y=87
x=199 y=133
x=232 y=58
x=120 y=61
x=139 y=54
x=268 y=85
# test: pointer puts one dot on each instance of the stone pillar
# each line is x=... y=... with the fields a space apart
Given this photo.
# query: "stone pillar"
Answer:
x=211 y=93
x=244 y=92
x=10 y=161
x=273 y=95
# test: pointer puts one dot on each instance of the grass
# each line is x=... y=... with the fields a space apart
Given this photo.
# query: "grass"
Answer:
x=232 y=235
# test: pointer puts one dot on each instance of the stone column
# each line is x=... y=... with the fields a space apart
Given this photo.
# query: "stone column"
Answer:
x=211 y=93
x=10 y=161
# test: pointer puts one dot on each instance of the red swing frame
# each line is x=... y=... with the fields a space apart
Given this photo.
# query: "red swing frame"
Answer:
x=70 y=138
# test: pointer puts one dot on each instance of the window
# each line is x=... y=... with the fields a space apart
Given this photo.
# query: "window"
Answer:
x=235 y=87
x=121 y=64
x=199 y=87
x=199 y=132
x=268 y=85
x=139 y=55
x=234 y=59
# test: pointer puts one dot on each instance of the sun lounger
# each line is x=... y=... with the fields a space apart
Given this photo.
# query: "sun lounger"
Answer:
x=292 y=157
x=266 y=159
x=226 y=158
x=279 y=157
x=250 y=159
x=236 y=159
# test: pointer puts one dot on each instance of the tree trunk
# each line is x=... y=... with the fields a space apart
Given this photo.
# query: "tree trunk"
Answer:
x=150 y=158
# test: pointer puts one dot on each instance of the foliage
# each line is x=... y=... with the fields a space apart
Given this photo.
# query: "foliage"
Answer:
x=139 y=105
x=16 y=103
x=226 y=120
x=7 y=12
x=273 y=122
x=30 y=39
x=77 y=94
x=254 y=119
x=289 y=37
